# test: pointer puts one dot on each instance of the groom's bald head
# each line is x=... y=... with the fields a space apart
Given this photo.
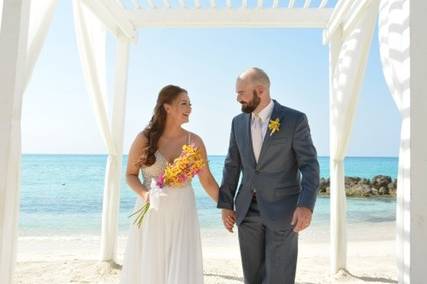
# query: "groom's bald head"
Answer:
x=253 y=90
x=256 y=77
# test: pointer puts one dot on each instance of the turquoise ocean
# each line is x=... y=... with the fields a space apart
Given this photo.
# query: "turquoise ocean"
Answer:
x=62 y=194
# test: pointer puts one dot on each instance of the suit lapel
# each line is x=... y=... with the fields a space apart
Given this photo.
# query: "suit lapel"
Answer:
x=267 y=139
x=248 y=137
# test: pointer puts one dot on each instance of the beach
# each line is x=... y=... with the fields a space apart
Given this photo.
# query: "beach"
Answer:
x=61 y=213
x=74 y=258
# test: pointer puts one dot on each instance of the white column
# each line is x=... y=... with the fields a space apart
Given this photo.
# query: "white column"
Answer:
x=13 y=47
x=1 y=11
x=418 y=87
x=348 y=69
x=338 y=203
x=111 y=202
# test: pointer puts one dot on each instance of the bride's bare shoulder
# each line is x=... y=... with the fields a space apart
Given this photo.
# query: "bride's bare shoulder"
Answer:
x=196 y=139
x=140 y=140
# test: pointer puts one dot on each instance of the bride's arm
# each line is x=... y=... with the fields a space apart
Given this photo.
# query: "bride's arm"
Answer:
x=133 y=167
x=205 y=176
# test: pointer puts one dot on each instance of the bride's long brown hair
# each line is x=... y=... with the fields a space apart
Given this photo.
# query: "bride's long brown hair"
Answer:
x=157 y=124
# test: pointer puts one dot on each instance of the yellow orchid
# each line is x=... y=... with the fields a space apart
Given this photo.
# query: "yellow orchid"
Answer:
x=274 y=125
x=188 y=164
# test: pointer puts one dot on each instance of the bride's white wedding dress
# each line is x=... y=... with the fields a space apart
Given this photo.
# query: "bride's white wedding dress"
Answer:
x=167 y=248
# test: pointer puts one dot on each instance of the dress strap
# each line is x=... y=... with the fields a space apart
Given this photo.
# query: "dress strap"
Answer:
x=188 y=138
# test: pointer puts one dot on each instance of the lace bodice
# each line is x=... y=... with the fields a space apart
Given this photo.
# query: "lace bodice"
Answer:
x=153 y=171
x=156 y=169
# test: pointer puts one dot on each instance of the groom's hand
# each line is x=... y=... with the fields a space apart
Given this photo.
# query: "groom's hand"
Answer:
x=228 y=219
x=301 y=219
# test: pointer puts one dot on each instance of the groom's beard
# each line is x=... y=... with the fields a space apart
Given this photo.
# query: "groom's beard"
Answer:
x=249 y=107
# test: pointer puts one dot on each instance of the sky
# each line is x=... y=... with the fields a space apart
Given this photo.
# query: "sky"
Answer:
x=58 y=117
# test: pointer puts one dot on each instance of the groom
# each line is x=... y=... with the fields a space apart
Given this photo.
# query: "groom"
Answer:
x=271 y=146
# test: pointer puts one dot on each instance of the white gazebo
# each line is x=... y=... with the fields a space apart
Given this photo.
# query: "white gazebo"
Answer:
x=348 y=30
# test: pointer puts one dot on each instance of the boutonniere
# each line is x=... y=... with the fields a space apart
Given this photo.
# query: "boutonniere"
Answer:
x=274 y=126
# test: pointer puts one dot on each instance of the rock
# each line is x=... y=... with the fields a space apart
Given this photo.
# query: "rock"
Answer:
x=375 y=191
x=383 y=190
x=392 y=189
x=324 y=183
x=380 y=181
x=360 y=190
x=362 y=187
x=351 y=181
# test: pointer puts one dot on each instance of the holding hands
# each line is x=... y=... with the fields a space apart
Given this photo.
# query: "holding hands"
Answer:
x=228 y=219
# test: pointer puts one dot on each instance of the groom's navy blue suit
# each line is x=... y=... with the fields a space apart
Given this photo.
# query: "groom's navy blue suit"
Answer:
x=286 y=176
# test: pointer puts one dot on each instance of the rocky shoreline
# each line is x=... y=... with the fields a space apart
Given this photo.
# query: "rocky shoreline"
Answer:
x=378 y=186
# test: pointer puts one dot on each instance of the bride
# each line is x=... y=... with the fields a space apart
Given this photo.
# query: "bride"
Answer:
x=167 y=248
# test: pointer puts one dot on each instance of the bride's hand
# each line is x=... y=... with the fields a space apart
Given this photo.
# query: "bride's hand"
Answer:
x=145 y=194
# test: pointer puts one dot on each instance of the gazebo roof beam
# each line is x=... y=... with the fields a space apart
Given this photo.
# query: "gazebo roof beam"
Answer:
x=136 y=4
x=151 y=4
x=323 y=3
x=182 y=3
x=356 y=12
x=345 y=14
x=337 y=16
x=167 y=3
x=307 y=3
x=178 y=17
x=114 y=17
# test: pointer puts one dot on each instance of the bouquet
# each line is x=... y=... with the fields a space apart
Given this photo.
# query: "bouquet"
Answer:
x=176 y=174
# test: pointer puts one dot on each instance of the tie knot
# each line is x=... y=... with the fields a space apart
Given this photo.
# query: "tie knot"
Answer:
x=257 y=118
x=257 y=121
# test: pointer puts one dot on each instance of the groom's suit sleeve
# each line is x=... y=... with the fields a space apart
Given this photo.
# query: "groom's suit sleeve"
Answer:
x=230 y=174
x=308 y=164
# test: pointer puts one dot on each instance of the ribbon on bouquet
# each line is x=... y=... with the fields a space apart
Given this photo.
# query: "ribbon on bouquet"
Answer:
x=155 y=193
x=154 y=202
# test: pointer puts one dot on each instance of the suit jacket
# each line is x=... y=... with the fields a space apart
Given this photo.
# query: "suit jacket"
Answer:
x=286 y=175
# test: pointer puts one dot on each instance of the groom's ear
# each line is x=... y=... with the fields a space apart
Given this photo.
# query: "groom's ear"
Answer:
x=260 y=89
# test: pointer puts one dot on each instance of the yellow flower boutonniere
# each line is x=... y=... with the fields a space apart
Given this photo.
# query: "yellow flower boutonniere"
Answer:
x=274 y=126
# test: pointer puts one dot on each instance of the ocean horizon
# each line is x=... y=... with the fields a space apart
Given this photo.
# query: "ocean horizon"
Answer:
x=61 y=194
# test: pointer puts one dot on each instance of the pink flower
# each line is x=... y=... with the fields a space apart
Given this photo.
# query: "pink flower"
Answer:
x=161 y=181
x=182 y=178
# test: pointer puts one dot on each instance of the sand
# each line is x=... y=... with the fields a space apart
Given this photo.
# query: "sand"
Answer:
x=73 y=259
